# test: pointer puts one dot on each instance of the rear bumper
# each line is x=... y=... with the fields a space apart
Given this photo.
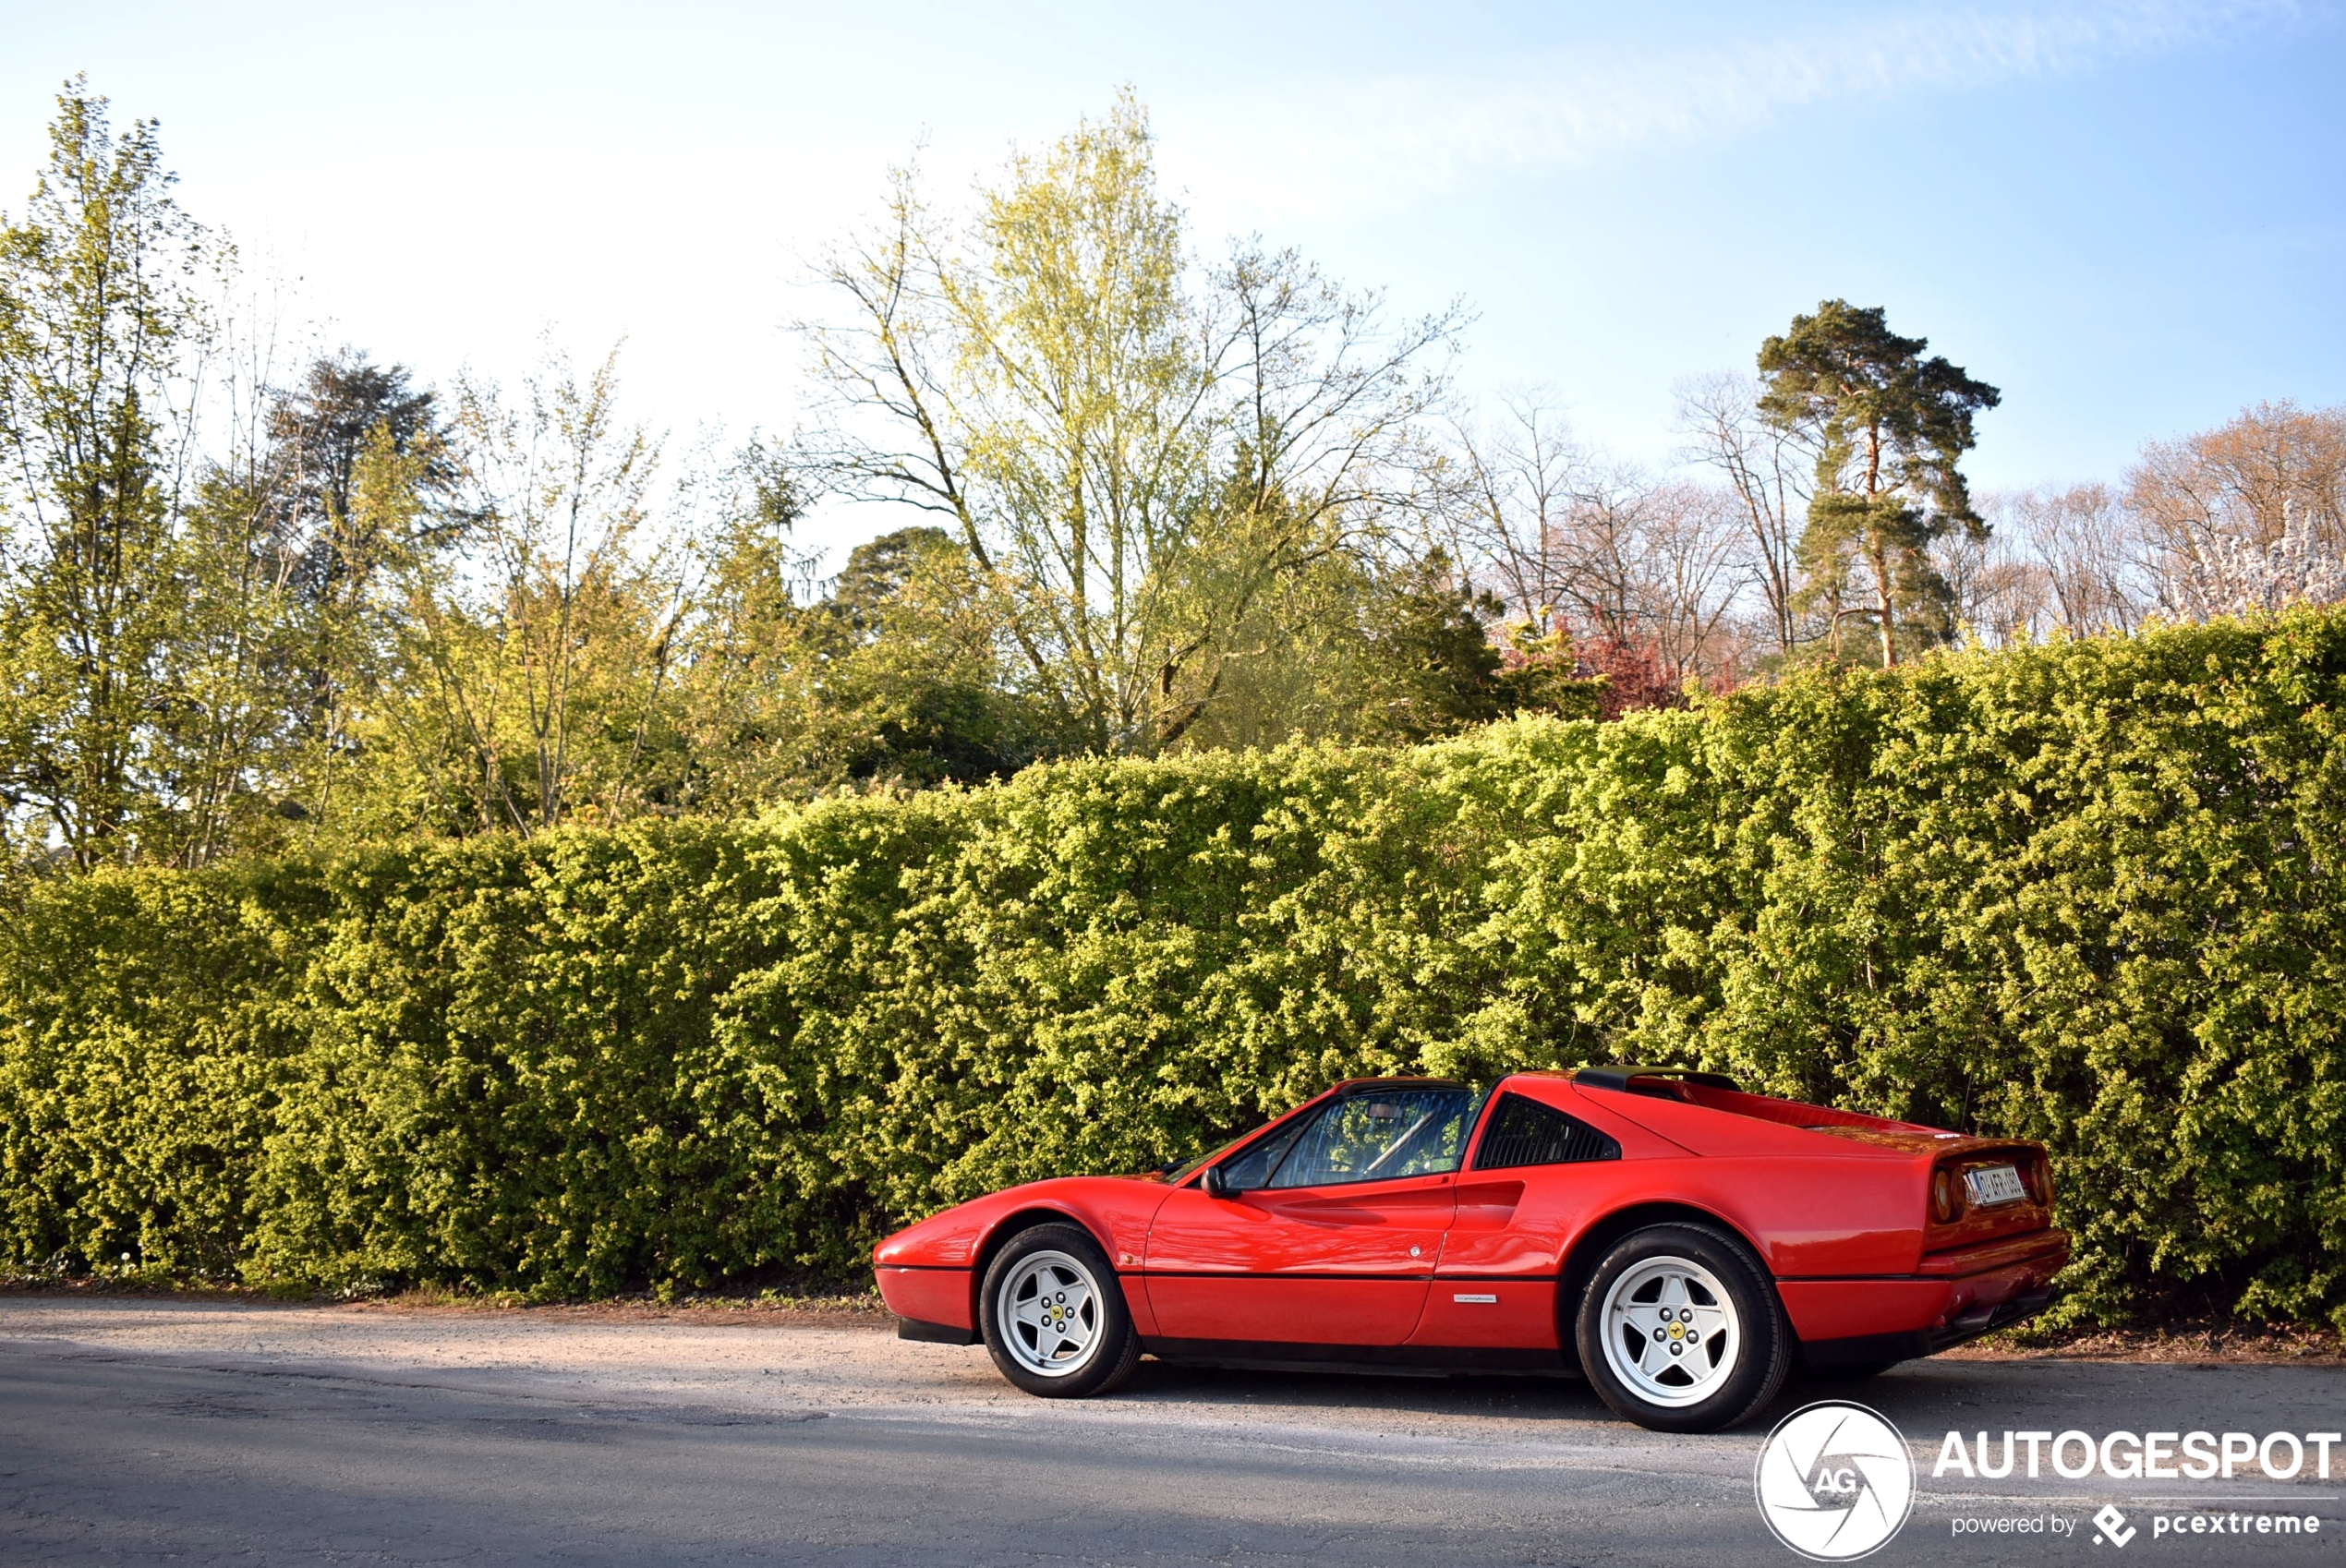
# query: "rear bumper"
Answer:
x=1910 y=1344
x=1846 y=1322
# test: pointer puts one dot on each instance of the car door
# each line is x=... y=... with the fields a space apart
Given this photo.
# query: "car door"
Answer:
x=1332 y=1231
x=1496 y=1289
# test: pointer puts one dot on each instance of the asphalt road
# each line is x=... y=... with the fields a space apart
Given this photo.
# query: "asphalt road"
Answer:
x=138 y=1432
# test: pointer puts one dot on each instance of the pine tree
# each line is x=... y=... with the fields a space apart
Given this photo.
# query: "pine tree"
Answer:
x=1889 y=428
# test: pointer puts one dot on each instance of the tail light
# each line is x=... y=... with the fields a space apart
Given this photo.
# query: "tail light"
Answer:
x=2040 y=1185
x=1946 y=1197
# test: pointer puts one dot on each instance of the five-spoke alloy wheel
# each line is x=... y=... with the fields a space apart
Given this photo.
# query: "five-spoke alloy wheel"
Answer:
x=1670 y=1332
x=1679 y=1330
x=1053 y=1315
x=1049 y=1305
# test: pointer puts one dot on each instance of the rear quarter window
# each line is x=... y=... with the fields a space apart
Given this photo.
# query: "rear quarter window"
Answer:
x=1524 y=1132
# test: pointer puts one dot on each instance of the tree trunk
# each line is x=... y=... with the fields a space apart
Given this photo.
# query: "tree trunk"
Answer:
x=1877 y=552
x=1882 y=599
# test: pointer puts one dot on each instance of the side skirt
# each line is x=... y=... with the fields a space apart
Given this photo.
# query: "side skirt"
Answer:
x=1425 y=1359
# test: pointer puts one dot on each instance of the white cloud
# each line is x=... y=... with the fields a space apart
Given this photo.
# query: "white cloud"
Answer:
x=1347 y=144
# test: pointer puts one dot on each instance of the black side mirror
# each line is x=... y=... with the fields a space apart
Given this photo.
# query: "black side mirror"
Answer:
x=1212 y=1183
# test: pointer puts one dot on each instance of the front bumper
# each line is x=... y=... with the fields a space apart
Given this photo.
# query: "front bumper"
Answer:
x=934 y=1333
x=931 y=1303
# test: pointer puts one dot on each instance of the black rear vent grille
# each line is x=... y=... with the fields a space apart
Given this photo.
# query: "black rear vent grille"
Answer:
x=1524 y=1132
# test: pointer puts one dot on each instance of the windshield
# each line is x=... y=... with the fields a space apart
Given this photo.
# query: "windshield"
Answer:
x=1378 y=1135
x=1369 y=1134
x=1285 y=1136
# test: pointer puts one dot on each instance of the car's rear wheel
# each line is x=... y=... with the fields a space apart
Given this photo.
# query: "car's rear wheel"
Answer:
x=1680 y=1330
x=1053 y=1315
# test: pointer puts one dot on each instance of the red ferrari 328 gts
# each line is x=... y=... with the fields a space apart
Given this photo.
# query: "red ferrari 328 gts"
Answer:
x=1679 y=1243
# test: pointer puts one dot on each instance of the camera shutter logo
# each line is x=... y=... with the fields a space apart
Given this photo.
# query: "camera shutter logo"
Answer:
x=1835 y=1481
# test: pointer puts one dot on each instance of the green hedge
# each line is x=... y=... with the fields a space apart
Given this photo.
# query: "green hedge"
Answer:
x=2088 y=892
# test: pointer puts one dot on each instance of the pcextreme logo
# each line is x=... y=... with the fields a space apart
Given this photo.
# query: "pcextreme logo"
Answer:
x=1835 y=1481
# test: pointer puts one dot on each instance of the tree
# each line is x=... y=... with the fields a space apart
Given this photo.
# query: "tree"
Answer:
x=2250 y=515
x=2082 y=540
x=1650 y=565
x=1509 y=493
x=535 y=671
x=1890 y=430
x=1997 y=583
x=912 y=662
x=1133 y=454
x=741 y=695
x=98 y=314
x=219 y=745
x=1434 y=671
x=1396 y=650
x=1761 y=462
x=896 y=676
x=322 y=433
x=359 y=485
x=1608 y=554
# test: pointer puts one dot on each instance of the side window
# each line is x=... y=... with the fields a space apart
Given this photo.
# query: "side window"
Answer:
x=1524 y=1132
x=1379 y=1136
x=1253 y=1168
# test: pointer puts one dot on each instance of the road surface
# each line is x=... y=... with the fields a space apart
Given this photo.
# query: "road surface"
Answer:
x=138 y=1430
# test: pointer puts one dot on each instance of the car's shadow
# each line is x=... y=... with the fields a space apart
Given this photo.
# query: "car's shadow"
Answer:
x=1516 y=1395
x=1915 y=1390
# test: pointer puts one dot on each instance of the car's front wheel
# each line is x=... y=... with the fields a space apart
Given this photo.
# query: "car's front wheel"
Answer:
x=1053 y=1315
x=1679 y=1330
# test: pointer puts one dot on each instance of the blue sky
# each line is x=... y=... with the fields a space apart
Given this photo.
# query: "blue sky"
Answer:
x=2130 y=217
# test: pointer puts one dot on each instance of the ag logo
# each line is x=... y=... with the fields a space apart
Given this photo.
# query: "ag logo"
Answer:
x=1835 y=1481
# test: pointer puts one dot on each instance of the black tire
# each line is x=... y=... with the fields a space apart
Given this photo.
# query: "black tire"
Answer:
x=1029 y=1265
x=1729 y=1358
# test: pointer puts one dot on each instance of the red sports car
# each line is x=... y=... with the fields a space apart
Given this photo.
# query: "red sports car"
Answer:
x=1680 y=1244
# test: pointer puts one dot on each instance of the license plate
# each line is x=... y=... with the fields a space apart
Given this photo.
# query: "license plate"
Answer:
x=1991 y=1184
